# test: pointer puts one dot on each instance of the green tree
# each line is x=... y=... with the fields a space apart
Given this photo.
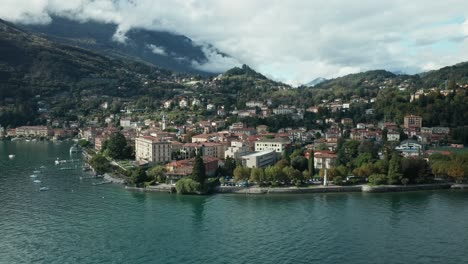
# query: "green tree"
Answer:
x=394 y=175
x=293 y=175
x=257 y=175
x=83 y=143
x=299 y=163
x=274 y=174
x=229 y=166
x=157 y=173
x=188 y=186
x=199 y=170
x=138 y=176
x=100 y=164
x=116 y=147
x=311 y=163
x=241 y=173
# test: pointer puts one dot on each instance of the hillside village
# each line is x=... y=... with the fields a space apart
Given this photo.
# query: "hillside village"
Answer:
x=173 y=135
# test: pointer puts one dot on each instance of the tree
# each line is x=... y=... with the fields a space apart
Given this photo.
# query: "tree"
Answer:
x=394 y=169
x=188 y=186
x=282 y=163
x=199 y=173
x=241 y=173
x=139 y=176
x=416 y=170
x=293 y=175
x=100 y=164
x=157 y=173
x=378 y=179
x=299 y=163
x=274 y=174
x=229 y=166
x=311 y=164
x=83 y=143
x=257 y=175
x=116 y=147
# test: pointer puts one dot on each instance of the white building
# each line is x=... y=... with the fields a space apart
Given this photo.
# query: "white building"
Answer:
x=276 y=144
x=152 y=150
x=259 y=159
x=410 y=148
x=393 y=136
x=254 y=104
x=236 y=150
x=324 y=159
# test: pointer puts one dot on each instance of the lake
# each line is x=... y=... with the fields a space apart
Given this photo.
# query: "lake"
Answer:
x=76 y=222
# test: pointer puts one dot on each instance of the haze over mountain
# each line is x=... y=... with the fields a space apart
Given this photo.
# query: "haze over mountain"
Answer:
x=164 y=49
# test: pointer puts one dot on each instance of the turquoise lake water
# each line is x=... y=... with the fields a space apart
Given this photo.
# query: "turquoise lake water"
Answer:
x=76 y=222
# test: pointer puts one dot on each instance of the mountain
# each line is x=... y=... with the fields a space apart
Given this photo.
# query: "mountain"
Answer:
x=457 y=73
x=163 y=49
x=245 y=71
x=36 y=65
x=315 y=82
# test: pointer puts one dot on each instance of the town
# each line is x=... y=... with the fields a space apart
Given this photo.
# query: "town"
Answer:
x=234 y=144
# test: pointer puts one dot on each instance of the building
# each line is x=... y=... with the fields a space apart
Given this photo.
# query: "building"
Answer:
x=201 y=138
x=393 y=135
x=33 y=131
x=277 y=144
x=412 y=121
x=212 y=149
x=182 y=168
x=125 y=122
x=409 y=148
x=236 y=150
x=260 y=159
x=152 y=150
x=254 y=104
x=324 y=159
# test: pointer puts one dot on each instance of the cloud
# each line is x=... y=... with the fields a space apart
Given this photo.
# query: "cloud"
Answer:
x=294 y=41
x=157 y=50
x=216 y=62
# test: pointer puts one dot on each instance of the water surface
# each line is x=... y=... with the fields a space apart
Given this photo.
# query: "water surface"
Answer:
x=76 y=222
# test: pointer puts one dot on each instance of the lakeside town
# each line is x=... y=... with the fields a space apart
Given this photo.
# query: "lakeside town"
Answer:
x=144 y=151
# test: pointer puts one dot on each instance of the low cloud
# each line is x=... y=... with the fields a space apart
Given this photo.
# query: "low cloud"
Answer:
x=294 y=41
x=157 y=50
x=216 y=62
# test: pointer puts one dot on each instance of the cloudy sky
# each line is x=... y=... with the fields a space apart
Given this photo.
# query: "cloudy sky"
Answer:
x=293 y=41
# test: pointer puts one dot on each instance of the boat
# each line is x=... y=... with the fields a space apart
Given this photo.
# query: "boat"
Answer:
x=42 y=167
x=75 y=149
x=37 y=181
x=67 y=168
x=33 y=176
x=44 y=189
x=11 y=156
x=36 y=172
x=59 y=162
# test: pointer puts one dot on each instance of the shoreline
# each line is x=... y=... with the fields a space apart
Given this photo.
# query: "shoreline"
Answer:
x=319 y=189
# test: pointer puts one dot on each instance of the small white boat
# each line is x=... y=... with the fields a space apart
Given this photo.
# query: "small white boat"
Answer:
x=42 y=167
x=60 y=162
x=11 y=156
x=37 y=181
x=33 y=176
x=44 y=189
x=36 y=172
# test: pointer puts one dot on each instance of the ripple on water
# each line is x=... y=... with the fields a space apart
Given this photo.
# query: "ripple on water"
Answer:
x=75 y=222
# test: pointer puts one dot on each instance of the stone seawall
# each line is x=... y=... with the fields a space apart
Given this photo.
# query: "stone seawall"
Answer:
x=328 y=189
x=405 y=188
x=158 y=188
x=287 y=190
